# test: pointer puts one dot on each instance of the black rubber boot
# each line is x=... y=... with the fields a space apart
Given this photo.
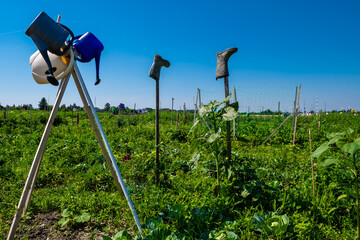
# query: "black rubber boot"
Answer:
x=156 y=66
x=222 y=62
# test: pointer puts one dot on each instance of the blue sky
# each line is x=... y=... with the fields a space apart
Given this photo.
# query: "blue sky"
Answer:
x=281 y=44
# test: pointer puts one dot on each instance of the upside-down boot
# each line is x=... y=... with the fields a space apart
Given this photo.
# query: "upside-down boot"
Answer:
x=156 y=66
x=222 y=62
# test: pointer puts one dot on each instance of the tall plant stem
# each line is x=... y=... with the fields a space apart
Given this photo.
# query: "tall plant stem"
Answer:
x=228 y=134
x=312 y=166
x=357 y=199
x=216 y=156
x=217 y=165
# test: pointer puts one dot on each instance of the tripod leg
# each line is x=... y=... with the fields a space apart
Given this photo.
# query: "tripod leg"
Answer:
x=97 y=134
x=112 y=165
x=39 y=154
x=25 y=197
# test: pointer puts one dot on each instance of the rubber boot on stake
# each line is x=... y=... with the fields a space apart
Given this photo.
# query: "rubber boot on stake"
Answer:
x=158 y=63
x=222 y=62
x=223 y=72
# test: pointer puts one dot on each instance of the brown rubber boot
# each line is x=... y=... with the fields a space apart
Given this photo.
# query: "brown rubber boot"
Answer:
x=222 y=62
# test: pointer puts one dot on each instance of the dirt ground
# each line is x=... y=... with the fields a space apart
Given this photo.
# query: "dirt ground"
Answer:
x=44 y=226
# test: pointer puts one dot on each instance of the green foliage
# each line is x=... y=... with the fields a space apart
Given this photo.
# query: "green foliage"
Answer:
x=264 y=182
x=69 y=218
x=271 y=223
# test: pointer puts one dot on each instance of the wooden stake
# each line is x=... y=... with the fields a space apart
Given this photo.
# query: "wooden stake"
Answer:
x=296 y=113
x=228 y=138
x=172 y=110
x=319 y=125
x=200 y=104
x=235 y=100
x=157 y=135
x=184 y=113
x=196 y=104
x=77 y=119
x=312 y=166
x=296 y=90
x=279 y=108
x=177 y=119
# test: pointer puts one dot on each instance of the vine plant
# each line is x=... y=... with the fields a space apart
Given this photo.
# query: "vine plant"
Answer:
x=346 y=143
x=214 y=119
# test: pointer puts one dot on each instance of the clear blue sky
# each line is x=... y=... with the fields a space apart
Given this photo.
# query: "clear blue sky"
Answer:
x=281 y=44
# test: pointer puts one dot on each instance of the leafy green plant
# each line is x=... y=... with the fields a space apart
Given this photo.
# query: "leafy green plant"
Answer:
x=122 y=235
x=69 y=218
x=214 y=120
x=271 y=223
x=348 y=144
x=222 y=235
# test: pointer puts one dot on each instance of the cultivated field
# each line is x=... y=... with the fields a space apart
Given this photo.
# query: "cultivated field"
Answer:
x=265 y=192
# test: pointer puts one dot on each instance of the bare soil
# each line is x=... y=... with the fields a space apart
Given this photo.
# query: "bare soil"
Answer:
x=44 y=226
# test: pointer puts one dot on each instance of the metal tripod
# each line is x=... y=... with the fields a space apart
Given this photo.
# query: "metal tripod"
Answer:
x=100 y=135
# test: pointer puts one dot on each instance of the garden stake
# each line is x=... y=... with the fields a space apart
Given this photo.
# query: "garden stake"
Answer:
x=195 y=105
x=155 y=74
x=199 y=98
x=184 y=114
x=312 y=165
x=296 y=90
x=223 y=72
x=177 y=118
x=172 y=110
x=279 y=108
x=235 y=100
x=319 y=125
x=296 y=114
x=77 y=119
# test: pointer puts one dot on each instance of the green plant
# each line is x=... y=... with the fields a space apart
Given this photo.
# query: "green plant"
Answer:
x=214 y=119
x=271 y=223
x=69 y=218
x=348 y=144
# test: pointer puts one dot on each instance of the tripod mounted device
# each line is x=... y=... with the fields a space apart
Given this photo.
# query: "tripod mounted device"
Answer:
x=44 y=32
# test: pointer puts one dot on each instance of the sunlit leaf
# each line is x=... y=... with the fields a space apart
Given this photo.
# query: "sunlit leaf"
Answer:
x=226 y=99
x=341 y=197
x=66 y=213
x=351 y=147
x=122 y=235
x=214 y=136
x=84 y=217
x=205 y=109
x=320 y=150
x=328 y=162
x=62 y=222
x=193 y=126
x=230 y=114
